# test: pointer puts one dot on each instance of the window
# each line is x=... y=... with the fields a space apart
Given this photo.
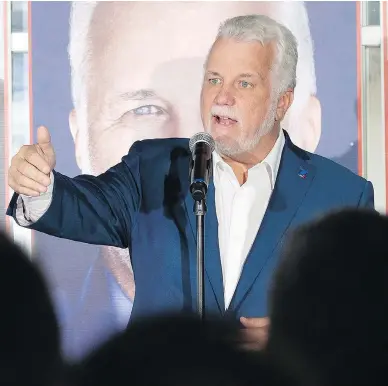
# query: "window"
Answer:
x=372 y=13
x=20 y=117
x=19 y=16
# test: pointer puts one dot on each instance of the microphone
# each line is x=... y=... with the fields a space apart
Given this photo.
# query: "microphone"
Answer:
x=201 y=146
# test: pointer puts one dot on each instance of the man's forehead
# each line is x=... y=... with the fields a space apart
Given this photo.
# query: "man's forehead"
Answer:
x=108 y=17
x=171 y=30
x=230 y=57
x=133 y=41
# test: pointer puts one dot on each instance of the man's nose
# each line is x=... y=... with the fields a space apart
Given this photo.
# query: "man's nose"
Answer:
x=225 y=97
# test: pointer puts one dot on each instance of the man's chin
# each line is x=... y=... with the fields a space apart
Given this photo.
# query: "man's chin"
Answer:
x=224 y=133
x=227 y=148
x=225 y=143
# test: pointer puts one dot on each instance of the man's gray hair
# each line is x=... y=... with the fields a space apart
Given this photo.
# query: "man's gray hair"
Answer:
x=262 y=29
x=292 y=14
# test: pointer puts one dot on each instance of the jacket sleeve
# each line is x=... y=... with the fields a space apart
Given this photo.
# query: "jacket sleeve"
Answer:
x=96 y=210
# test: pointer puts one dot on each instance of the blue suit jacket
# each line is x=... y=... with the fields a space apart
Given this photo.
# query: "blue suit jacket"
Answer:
x=143 y=204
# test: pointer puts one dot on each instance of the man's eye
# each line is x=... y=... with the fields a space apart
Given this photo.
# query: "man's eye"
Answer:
x=215 y=81
x=148 y=110
x=245 y=84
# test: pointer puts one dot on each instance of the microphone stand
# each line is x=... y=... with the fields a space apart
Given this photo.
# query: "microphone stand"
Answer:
x=200 y=211
x=200 y=174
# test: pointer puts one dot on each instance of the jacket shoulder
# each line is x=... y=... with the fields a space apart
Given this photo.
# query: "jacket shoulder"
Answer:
x=154 y=149
x=336 y=172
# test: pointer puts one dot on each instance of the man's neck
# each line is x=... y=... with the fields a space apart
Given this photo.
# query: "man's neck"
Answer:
x=245 y=161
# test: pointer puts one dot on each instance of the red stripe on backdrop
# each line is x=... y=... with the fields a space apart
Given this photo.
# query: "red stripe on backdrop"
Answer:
x=359 y=95
x=31 y=121
x=7 y=83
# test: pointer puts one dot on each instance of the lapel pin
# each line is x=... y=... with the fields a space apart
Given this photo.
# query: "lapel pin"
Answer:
x=302 y=173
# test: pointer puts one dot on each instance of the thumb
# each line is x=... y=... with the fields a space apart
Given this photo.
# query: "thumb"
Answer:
x=254 y=322
x=43 y=136
x=44 y=146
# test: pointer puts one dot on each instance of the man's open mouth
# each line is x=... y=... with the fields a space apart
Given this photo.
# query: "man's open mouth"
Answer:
x=224 y=120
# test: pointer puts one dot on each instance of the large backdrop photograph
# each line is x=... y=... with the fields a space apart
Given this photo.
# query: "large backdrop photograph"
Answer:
x=107 y=74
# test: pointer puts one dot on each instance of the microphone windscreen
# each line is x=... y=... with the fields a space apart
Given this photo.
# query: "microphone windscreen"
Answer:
x=202 y=137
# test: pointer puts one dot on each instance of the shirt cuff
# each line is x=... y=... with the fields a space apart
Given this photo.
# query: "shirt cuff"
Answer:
x=30 y=209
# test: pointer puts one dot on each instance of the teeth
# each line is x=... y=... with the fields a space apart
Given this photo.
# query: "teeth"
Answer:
x=224 y=119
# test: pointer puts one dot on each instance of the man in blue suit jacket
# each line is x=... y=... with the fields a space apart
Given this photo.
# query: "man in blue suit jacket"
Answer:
x=263 y=186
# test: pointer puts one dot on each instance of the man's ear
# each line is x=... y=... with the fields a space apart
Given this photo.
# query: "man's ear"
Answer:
x=74 y=129
x=284 y=104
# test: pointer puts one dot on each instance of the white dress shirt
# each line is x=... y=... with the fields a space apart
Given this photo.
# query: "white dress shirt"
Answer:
x=240 y=210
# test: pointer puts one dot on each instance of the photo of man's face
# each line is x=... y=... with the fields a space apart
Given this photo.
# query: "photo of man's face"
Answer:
x=143 y=80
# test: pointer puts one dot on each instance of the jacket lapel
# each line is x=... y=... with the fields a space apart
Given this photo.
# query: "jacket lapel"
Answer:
x=212 y=260
x=294 y=179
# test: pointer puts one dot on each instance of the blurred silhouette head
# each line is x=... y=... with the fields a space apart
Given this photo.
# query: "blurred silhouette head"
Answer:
x=329 y=300
x=174 y=351
x=29 y=335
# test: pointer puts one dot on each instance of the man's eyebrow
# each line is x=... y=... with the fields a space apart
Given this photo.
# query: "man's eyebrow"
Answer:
x=247 y=75
x=243 y=75
x=138 y=95
x=251 y=75
x=213 y=73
